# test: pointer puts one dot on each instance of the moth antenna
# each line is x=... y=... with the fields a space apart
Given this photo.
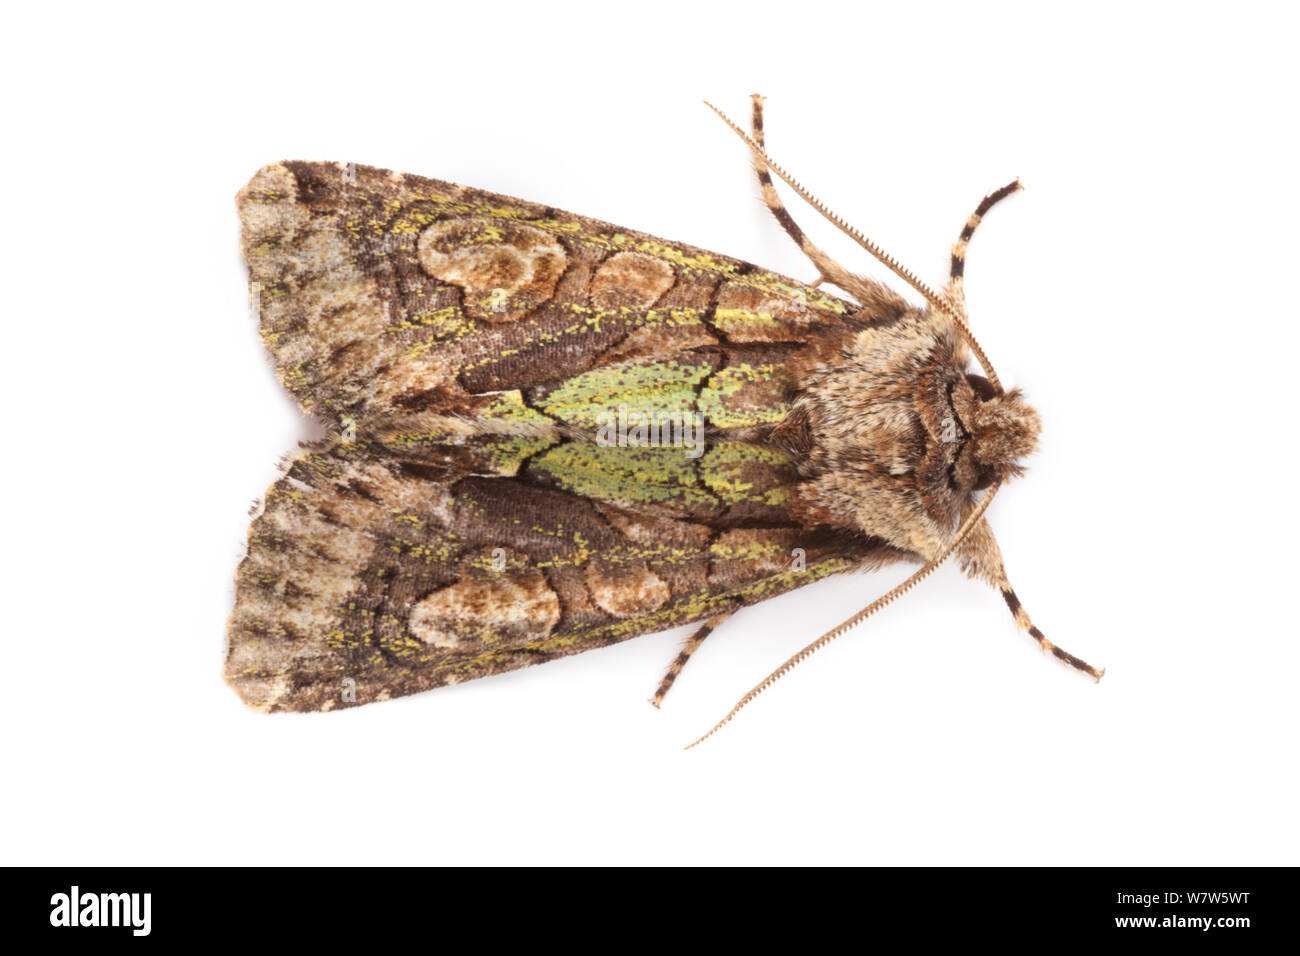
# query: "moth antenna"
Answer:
x=808 y=650
x=889 y=261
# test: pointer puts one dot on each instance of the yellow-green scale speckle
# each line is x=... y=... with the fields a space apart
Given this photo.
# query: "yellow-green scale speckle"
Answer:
x=739 y=472
x=745 y=394
x=662 y=387
x=626 y=475
x=694 y=608
x=402 y=219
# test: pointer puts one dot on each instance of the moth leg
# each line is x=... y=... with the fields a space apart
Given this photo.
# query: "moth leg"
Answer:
x=825 y=265
x=954 y=292
x=1060 y=653
x=692 y=643
x=958 y=268
x=867 y=291
x=981 y=559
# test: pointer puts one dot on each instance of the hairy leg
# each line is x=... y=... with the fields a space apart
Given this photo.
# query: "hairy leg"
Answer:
x=981 y=558
x=958 y=267
x=692 y=644
x=868 y=292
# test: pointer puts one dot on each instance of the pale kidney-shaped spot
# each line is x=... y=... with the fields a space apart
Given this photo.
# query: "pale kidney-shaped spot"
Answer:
x=747 y=314
x=631 y=280
x=504 y=268
x=487 y=608
x=628 y=590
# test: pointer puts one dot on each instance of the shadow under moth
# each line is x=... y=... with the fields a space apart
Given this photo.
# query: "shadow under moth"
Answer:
x=550 y=434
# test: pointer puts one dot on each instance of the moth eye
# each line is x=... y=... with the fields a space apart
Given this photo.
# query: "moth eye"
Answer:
x=984 y=389
x=966 y=469
x=984 y=477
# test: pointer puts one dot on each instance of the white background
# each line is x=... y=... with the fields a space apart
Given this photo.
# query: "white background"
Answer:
x=1141 y=290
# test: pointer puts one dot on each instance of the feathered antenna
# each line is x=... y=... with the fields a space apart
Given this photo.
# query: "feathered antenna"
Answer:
x=890 y=262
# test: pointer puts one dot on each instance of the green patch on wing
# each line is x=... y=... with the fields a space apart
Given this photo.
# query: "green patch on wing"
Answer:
x=740 y=473
x=651 y=476
x=745 y=394
x=585 y=400
x=508 y=453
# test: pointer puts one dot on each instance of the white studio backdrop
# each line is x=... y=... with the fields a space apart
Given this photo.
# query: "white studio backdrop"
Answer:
x=1137 y=291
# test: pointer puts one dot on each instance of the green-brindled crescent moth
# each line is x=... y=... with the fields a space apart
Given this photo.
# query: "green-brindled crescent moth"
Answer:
x=550 y=434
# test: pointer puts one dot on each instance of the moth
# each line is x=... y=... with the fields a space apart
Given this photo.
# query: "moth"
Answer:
x=550 y=434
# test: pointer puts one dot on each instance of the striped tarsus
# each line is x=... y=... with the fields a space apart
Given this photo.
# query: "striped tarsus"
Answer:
x=1022 y=619
x=688 y=648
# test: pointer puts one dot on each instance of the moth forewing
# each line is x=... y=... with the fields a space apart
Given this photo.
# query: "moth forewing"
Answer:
x=551 y=434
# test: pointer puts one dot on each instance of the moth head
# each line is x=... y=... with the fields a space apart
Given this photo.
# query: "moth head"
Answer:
x=1000 y=429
